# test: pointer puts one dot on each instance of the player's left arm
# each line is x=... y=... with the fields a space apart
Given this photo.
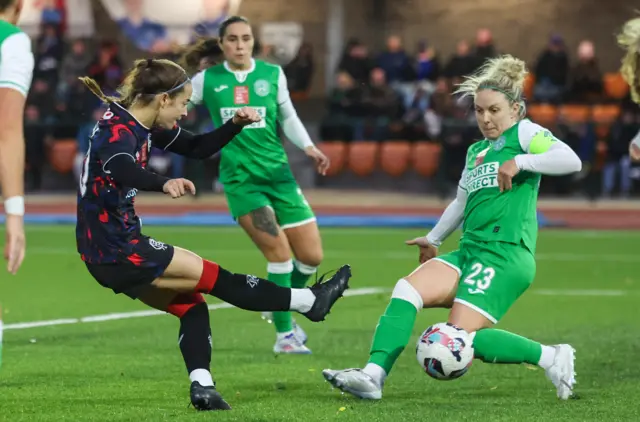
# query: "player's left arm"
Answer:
x=291 y=124
x=544 y=153
x=198 y=146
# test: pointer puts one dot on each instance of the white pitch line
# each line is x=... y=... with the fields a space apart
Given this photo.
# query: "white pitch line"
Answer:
x=553 y=292
x=151 y=312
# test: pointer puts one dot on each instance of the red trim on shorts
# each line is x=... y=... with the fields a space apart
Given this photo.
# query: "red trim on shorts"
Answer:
x=181 y=304
x=209 y=276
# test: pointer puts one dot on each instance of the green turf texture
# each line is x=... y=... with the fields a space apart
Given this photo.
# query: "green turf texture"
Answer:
x=132 y=370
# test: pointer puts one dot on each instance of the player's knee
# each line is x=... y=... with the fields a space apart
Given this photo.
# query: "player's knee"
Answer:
x=308 y=261
x=276 y=250
x=183 y=303
x=405 y=291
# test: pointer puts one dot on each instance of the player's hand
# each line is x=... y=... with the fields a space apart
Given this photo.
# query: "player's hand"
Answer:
x=179 y=187
x=427 y=250
x=634 y=151
x=246 y=116
x=14 y=248
x=321 y=160
x=506 y=172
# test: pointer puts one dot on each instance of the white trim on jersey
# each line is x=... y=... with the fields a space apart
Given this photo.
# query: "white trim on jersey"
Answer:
x=17 y=62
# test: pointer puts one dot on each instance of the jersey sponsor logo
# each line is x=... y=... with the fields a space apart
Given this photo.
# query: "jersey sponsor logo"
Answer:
x=241 y=95
x=131 y=194
x=483 y=176
x=498 y=144
x=262 y=88
x=227 y=113
x=220 y=88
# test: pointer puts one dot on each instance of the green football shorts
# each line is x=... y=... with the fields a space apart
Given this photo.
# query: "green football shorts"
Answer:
x=493 y=275
x=285 y=198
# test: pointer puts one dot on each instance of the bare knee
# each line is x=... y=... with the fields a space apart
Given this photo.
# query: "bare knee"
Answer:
x=469 y=319
x=436 y=284
x=311 y=257
x=277 y=251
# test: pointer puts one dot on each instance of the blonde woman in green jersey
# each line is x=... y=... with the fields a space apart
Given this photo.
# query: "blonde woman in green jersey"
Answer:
x=495 y=263
x=261 y=192
x=629 y=39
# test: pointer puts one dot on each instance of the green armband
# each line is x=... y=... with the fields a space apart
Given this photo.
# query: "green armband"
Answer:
x=541 y=142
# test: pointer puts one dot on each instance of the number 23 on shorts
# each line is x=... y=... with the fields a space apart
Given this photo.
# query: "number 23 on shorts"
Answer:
x=479 y=279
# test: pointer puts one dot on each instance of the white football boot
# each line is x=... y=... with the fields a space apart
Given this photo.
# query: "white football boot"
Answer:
x=354 y=381
x=562 y=373
x=290 y=344
x=299 y=332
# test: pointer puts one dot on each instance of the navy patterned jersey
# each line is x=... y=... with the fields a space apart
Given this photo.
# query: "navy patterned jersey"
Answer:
x=107 y=227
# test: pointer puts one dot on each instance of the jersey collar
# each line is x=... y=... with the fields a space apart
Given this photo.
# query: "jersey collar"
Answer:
x=240 y=72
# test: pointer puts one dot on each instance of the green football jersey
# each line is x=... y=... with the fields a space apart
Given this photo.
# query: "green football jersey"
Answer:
x=256 y=154
x=510 y=216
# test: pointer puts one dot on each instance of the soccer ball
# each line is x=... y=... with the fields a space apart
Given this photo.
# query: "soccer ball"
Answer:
x=445 y=351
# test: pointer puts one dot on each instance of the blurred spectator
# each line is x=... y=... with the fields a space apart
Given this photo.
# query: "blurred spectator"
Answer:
x=484 y=48
x=35 y=133
x=427 y=63
x=356 y=62
x=622 y=131
x=552 y=71
x=462 y=62
x=51 y=13
x=344 y=107
x=382 y=106
x=74 y=65
x=300 y=71
x=441 y=107
x=586 y=77
x=40 y=97
x=414 y=115
x=395 y=62
x=49 y=50
x=106 y=67
x=145 y=34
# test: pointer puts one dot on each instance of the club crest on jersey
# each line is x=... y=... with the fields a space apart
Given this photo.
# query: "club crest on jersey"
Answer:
x=241 y=95
x=262 y=88
x=499 y=143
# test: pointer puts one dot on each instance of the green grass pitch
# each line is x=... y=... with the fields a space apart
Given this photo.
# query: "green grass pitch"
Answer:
x=586 y=292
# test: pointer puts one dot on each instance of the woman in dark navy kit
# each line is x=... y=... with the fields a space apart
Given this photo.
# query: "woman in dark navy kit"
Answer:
x=153 y=97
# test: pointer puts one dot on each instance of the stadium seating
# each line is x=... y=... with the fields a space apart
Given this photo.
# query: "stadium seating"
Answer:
x=425 y=158
x=363 y=157
x=615 y=87
x=395 y=157
x=62 y=154
x=336 y=151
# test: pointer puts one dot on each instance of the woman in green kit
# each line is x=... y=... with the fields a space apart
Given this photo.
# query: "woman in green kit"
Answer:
x=261 y=192
x=495 y=263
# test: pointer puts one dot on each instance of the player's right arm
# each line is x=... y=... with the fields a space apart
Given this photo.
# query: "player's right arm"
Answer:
x=449 y=221
x=16 y=70
x=451 y=217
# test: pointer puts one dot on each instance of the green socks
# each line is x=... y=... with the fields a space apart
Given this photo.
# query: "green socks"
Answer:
x=280 y=274
x=497 y=346
x=392 y=333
